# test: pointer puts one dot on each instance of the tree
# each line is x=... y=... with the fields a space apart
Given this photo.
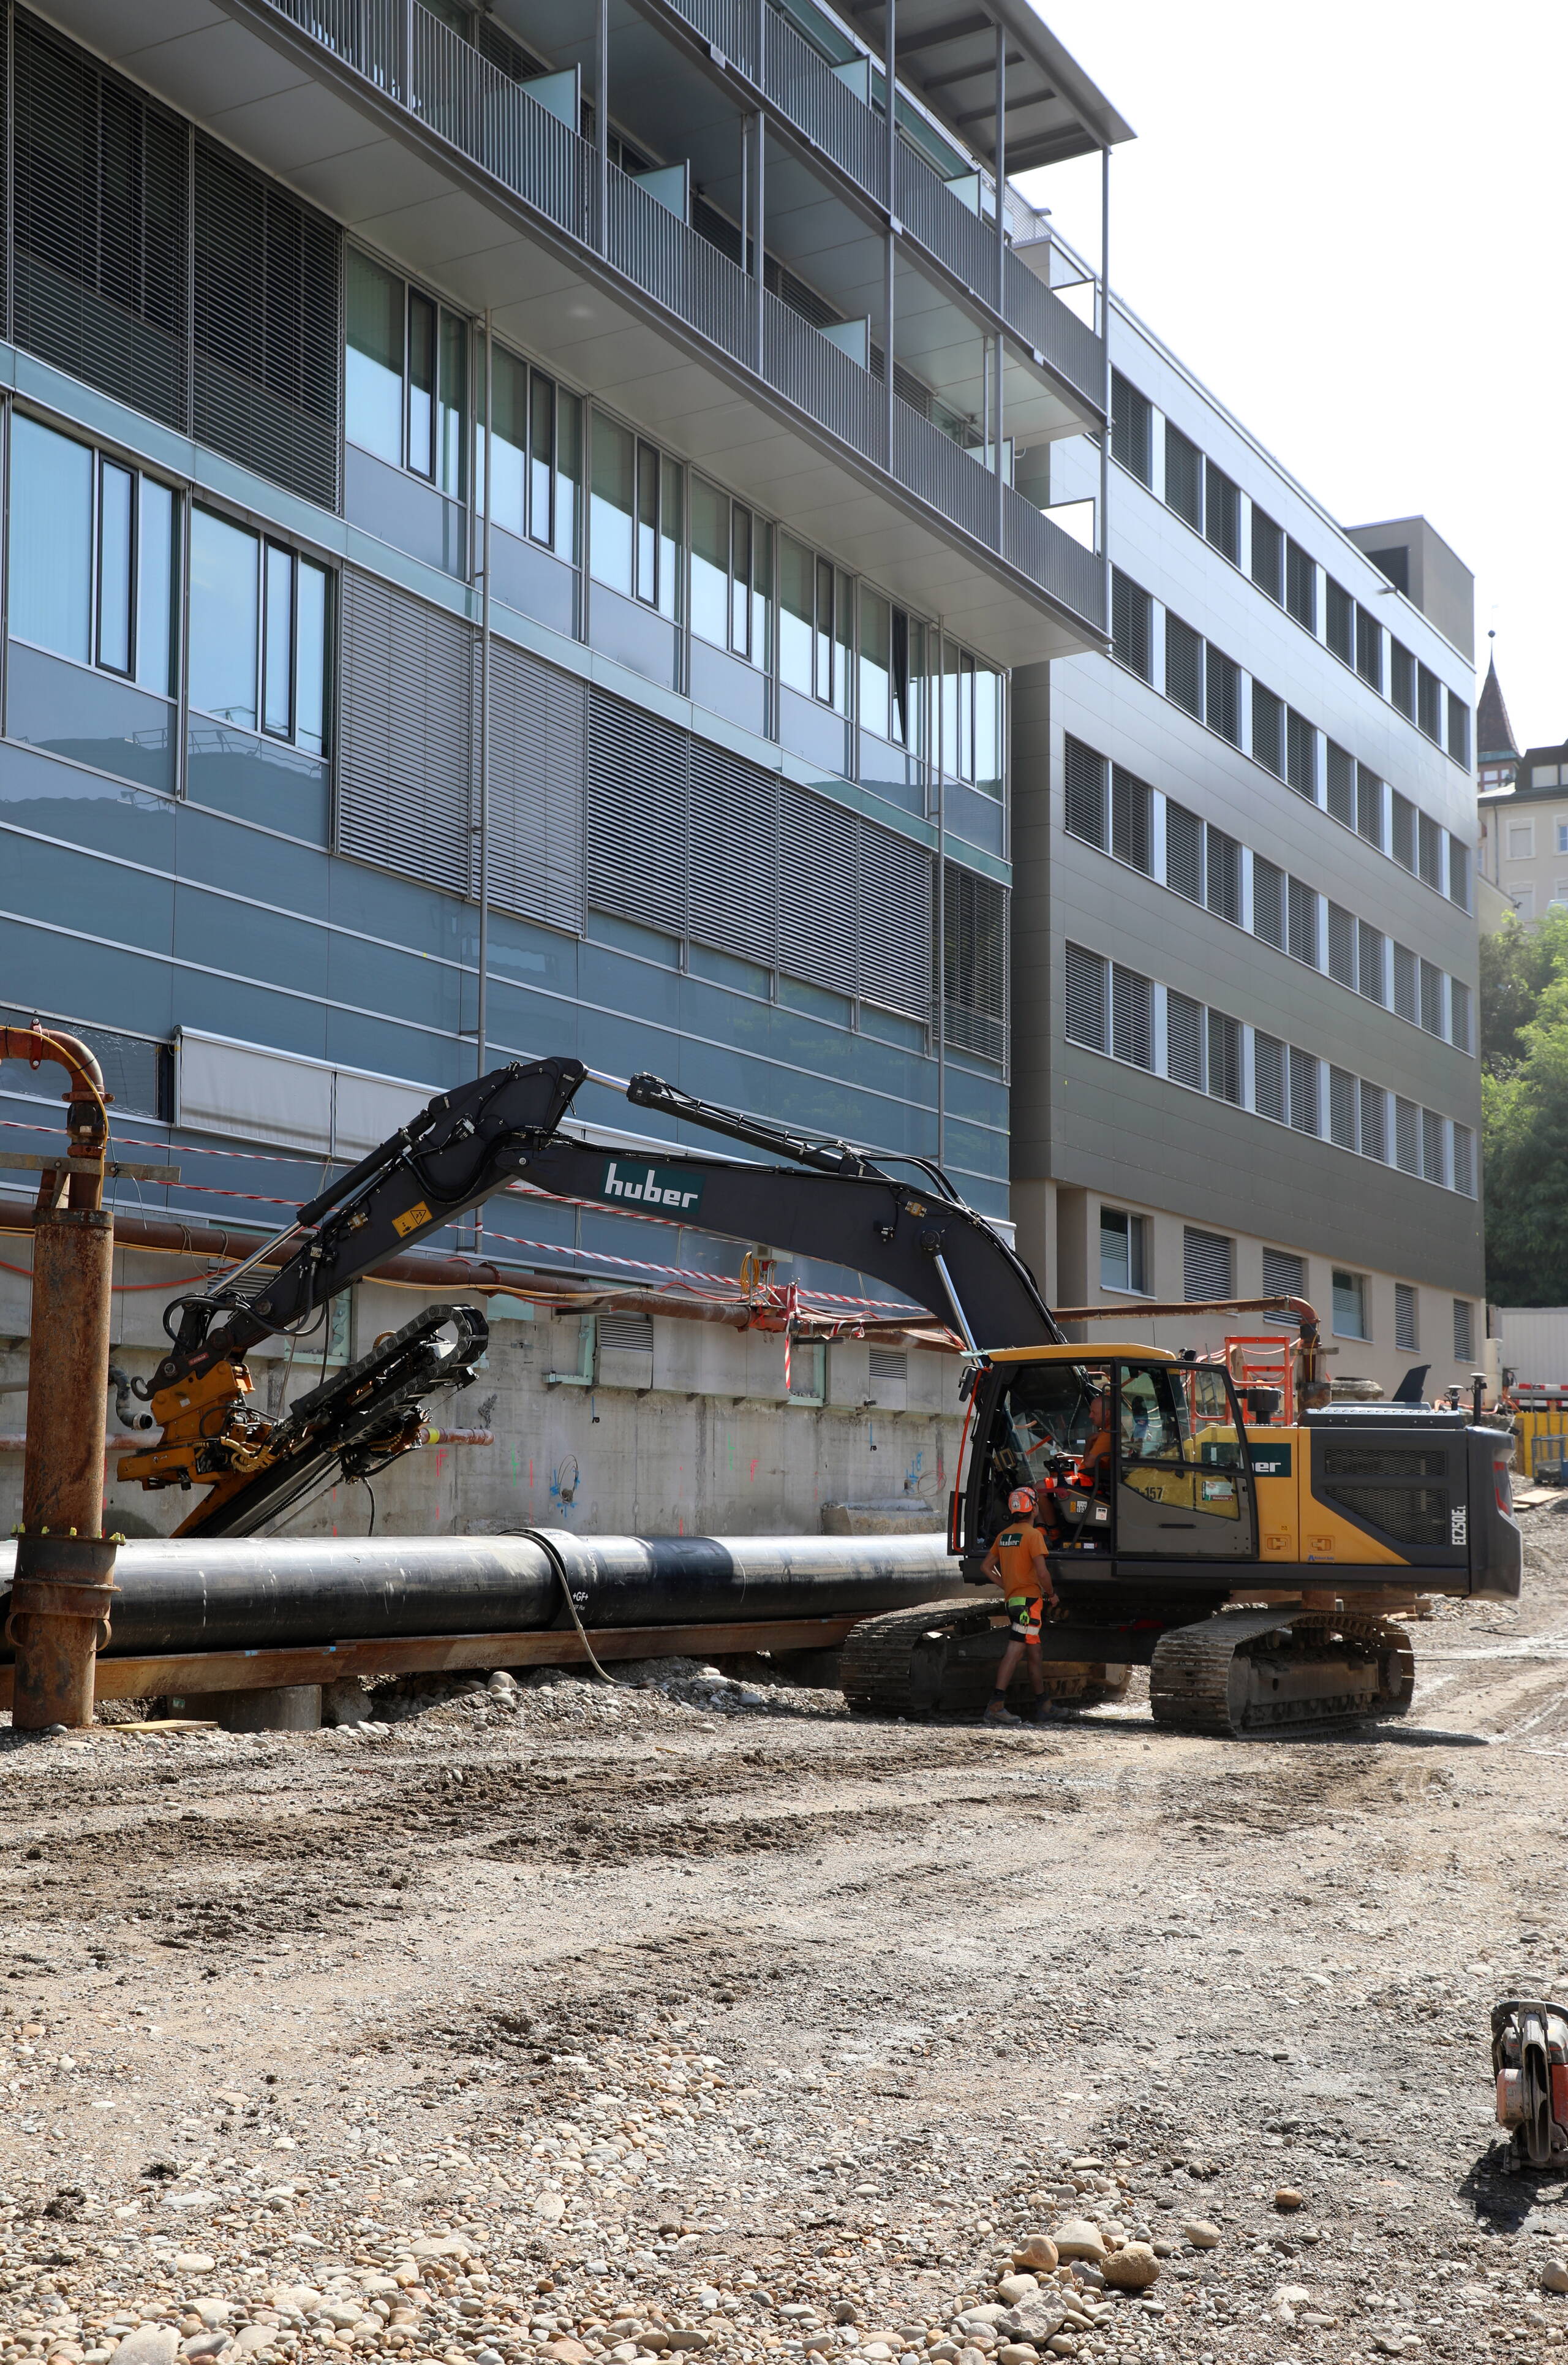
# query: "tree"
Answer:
x=1524 y=1052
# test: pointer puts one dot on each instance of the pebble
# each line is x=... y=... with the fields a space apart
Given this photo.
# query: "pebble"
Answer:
x=1038 y=2255
x=1079 y=2239
x=1201 y=2234
x=1012 y=2288
x=150 y=2343
x=194 y=2263
x=1554 y=2275
x=1287 y=2197
x=1131 y=2267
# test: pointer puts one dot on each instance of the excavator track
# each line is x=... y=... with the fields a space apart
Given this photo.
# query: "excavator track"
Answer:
x=1247 y=1672
x=941 y=1660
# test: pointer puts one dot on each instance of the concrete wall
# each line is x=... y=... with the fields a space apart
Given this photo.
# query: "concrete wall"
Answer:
x=699 y=1438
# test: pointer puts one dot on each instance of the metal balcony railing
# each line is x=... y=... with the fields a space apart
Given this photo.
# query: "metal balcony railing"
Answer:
x=405 y=52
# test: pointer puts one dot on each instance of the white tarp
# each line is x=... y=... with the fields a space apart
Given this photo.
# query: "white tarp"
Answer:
x=256 y=1095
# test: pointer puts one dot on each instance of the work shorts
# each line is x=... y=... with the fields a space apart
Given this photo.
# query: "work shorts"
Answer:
x=1025 y=1615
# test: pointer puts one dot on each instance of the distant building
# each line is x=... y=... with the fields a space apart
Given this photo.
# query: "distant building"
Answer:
x=1497 y=758
x=1523 y=812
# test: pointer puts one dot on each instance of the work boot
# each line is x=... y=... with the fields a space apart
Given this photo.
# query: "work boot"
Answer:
x=998 y=1712
x=1044 y=1710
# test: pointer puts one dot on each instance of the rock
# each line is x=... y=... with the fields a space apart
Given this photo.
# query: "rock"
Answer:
x=1012 y=2288
x=1201 y=2234
x=1034 y=2320
x=1063 y=2344
x=1078 y=2238
x=1131 y=2267
x=204 y=2344
x=213 y=2313
x=1038 y=2255
x=566 y=2351
x=551 y=2207
x=150 y=2343
x=303 y=2297
x=1287 y=2197
x=1554 y=2275
x=1016 y=2352
x=345 y=1702
x=690 y=2339
x=194 y=2263
x=445 y=2245
x=253 y=2335
x=971 y=2356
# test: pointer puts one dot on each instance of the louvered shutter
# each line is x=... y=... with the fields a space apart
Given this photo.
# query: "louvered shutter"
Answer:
x=1341 y=791
x=265 y=365
x=1458 y=1006
x=1132 y=820
x=637 y=793
x=818 y=889
x=1341 y=945
x=404 y=735
x=1086 y=996
x=1458 y=873
x=1303 y=916
x=895 y=922
x=1222 y=512
x=1268 y=902
x=1207 y=1264
x=1183 y=665
x=1301 y=755
x=1223 y=864
x=1430 y=863
x=1085 y=794
x=1222 y=710
x=1184 y=852
x=1304 y=1113
x=1268 y=728
x=538 y=768
x=1224 y=1056
x=1402 y=830
x=1369 y=806
x=1407 y=1136
x=1431 y=998
x=1370 y=962
x=100 y=228
x=975 y=960
x=1434 y=1163
x=1184 y=1041
x=1463 y=1329
x=1429 y=704
x=1405 y=999
x=1268 y=555
x=1402 y=678
x=1339 y=628
x=1130 y=622
x=1374 y=1122
x=1184 y=477
x=1132 y=1017
x=1342 y=1108
x=1285 y=1275
x=1269 y=1077
x=1465 y=1160
x=1301 y=585
x=734 y=855
x=1132 y=423
x=1405 y=1333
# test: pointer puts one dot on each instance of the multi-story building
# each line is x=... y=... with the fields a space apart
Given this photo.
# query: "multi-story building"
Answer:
x=1244 y=951
x=1523 y=854
x=349 y=749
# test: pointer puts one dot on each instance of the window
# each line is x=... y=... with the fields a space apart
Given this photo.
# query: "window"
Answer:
x=1406 y=1136
x=1223 y=866
x=405 y=375
x=1301 y=755
x=1301 y=913
x=1369 y=648
x=92 y=558
x=1349 y=1305
x=1563 y=837
x=1429 y=851
x=1429 y=704
x=1459 y=1014
x=808 y=1371
x=1465 y=1162
x=1085 y=783
x=1132 y=820
x=975 y=941
x=635 y=530
x=258 y=635
x=1406 y=1332
x=1523 y=899
x=1402 y=829
x=1132 y=628
x=1369 y=978
x=970 y=694
x=1267 y=555
x=1458 y=872
x=1405 y=996
x=1183 y=665
x=1301 y=585
x=1369 y=806
x=1434 y=1160
x=1341 y=797
x=1544 y=776
x=1207 y=1265
x=1184 y=1040
x=1304 y=1113
x=1431 y=998
x=1341 y=945
x=1269 y=1077
x=1222 y=512
x=731 y=583
x=536 y=457
x=1225 y=1058
x=1374 y=1122
x=1464 y=1330
x=892 y=663
x=1340 y=621
x=1132 y=1017
x=1087 y=998
x=1521 y=841
x=1224 y=696
x=1132 y=429
x=1268 y=728
x=1184 y=477
x=1402 y=677
x=1342 y=1108
x=1268 y=902
x=1124 y=1250
x=1285 y=1275
x=814 y=612
x=1184 y=851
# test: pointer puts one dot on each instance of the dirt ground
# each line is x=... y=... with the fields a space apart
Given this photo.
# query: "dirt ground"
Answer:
x=564 y=2021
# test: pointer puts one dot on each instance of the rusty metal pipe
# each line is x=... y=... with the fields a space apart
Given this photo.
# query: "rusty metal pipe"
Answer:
x=64 y=1581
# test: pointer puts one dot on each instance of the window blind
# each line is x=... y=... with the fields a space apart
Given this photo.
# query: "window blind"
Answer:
x=1184 y=851
x=1207 y=1264
x=1341 y=945
x=538 y=752
x=1132 y=820
x=1223 y=867
x=1305 y=1114
x=1222 y=710
x=1268 y=728
x=1404 y=1306
x=1086 y=997
x=1342 y=1108
x=1369 y=964
x=1085 y=787
x=1369 y=806
x=1269 y=1077
x=1374 y=1122
x=1184 y=477
x=1183 y=665
x=1184 y=1040
x=1132 y=1017
x=1285 y=1275
x=1301 y=755
x=404 y=767
x=1131 y=623
x=1224 y=1056
x=1342 y=793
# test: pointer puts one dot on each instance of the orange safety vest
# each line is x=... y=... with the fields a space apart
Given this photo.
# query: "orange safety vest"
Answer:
x=1015 y=1550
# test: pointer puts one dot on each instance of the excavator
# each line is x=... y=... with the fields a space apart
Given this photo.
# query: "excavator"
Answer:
x=1256 y=1566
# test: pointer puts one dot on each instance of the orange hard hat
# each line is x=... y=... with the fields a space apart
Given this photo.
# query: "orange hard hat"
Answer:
x=1022 y=1499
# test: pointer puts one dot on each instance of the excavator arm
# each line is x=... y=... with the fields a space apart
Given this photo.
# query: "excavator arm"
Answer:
x=913 y=1232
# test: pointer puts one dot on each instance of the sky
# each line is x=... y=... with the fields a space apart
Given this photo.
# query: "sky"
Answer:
x=1350 y=222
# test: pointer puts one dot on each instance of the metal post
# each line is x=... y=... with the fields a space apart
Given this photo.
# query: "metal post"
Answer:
x=759 y=235
x=601 y=120
x=999 y=145
x=889 y=72
x=64 y=1576
x=407 y=91
x=1106 y=340
x=940 y=751
x=482 y=1006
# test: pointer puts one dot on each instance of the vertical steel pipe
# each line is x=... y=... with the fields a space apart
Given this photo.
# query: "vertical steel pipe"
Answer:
x=64 y=1580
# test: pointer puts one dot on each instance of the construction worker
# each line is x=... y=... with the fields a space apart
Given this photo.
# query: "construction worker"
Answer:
x=1095 y=1459
x=1019 y=1563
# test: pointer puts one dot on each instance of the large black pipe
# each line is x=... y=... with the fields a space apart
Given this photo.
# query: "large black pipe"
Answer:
x=265 y=1593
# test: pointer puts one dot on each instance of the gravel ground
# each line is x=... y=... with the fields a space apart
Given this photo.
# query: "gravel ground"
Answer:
x=563 y=2022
